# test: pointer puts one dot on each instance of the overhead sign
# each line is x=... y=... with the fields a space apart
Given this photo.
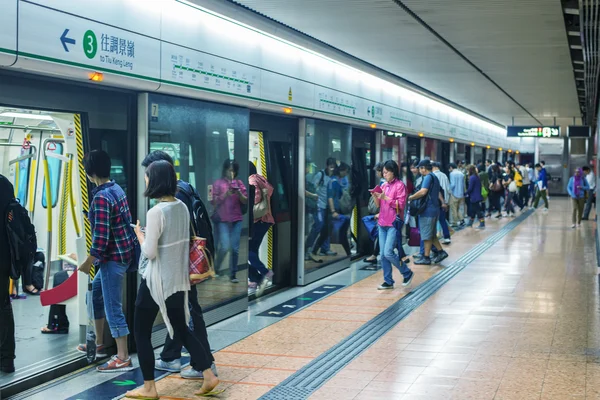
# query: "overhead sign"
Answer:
x=578 y=131
x=533 y=131
x=395 y=134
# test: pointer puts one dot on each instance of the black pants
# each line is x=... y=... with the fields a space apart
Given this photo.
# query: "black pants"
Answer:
x=7 y=321
x=146 y=311
x=494 y=198
x=57 y=317
x=524 y=195
x=172 y=349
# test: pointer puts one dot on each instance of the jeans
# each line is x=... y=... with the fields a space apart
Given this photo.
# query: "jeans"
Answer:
x=146 y=311
x=588 y=204
x=387 y=240
x=578 y=205
x=7 y=320
x=107 y=297
x=229 y=240
x=256 y=268
x=456 y=209
x=315 y=230
x=172 y=349
x=508 y=205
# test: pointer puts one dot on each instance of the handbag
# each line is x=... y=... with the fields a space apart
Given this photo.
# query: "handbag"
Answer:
x=201 y=268
x=371 y=226
x=496 y=186
x=373 y=209
x=484 y=193
x=262 y=207
x=512 y=187
x=414 y=240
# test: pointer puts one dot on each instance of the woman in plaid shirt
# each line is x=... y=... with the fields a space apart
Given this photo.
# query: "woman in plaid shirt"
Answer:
x=112 y=251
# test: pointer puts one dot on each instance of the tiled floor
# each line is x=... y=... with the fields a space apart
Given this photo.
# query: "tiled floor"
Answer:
x=425 y=355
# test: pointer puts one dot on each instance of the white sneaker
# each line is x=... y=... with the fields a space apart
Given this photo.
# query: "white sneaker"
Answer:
x=573 y=226
x=169 y=366
x=446 y=241
x=545 y=209
x=193 y=374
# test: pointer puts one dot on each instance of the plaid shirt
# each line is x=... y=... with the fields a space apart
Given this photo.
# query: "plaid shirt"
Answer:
x=111 y=237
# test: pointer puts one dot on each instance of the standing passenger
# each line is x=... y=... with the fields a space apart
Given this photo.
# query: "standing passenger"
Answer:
x=391 y=202
x=112 y=251
x=165 y=279
x=457 y=197
x=591 y=180
x=475 y=197
x=7 y=321
x=320 y=182
x=259 y=275
x=171 y=354
x=542 y=187
x=229 y=195
x=577 y=188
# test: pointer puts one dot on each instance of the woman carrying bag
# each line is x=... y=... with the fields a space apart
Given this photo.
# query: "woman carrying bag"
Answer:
x=577 y=188
x=374 y=211
x=165 y=271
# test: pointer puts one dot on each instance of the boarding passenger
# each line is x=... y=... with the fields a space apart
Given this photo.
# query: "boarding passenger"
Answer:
x=591 y=180
x=7 y=321
x=339 y=217
x=171 y=354
x=229 y=196
x=165 y=279
x=259 y=275
x=429 y=218
x=391 y=201
x=510 y=190
x=112 y=251
x=374 y=210
x=496 y=189
x=445 y=188
x=577 y=188
x=457 y=195
x=320 y=182
x=475 y=198
x=518 y=178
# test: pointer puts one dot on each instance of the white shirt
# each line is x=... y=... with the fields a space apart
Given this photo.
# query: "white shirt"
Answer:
x=591 y=179
x=444 y=184
x=167 y=248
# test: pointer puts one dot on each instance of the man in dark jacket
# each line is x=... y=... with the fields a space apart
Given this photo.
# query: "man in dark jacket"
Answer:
x=7 y=321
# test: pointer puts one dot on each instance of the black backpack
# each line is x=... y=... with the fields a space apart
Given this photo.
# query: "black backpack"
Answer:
x=22 y=239
x=199 y=217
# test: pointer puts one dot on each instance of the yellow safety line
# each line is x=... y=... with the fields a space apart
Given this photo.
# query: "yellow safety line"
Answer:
x=263 y=172
x=17 y=174
x=83 y=185
x=72 y=198
x=31 y=191
x=62 y=228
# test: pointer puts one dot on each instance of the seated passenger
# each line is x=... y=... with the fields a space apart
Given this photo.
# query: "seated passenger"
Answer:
x=58 y=322
x=7 y=321
x=112 y=251
x=165 y=279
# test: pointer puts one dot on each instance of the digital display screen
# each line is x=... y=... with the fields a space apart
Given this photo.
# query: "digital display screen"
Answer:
x=533 y=131
x=578 y=131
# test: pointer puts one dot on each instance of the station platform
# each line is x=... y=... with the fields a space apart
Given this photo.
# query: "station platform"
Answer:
x=511 y=314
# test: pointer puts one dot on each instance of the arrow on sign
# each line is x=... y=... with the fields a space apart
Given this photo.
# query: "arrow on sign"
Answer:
x=305 y=298
x=64 y=40
x=328 y=287
x=128 y=382
x=319 y=291
x=288 y=306
x=275 y=312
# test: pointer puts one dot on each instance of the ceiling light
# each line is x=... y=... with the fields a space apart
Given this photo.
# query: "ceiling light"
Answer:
x=578 y=70
x=43 y=117
x=287 y=110
x=571 y=11
x=472 y=144
x=373 y=126
x=451 y=140
x=500 y=148
x=576 y=47
x=96 y=76
x=510 y=151
x=577 y=62
x=488 y=146
x=517 y=152
x=421 y=134
x=574 y=33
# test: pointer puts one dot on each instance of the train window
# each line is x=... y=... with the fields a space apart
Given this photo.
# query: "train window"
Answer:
x=54 y=168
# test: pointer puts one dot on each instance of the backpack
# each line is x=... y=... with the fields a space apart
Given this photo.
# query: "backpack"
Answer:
x=518 y=178
x=346 y=202
x=418 y=206
x=200 y=224
x=22 y=240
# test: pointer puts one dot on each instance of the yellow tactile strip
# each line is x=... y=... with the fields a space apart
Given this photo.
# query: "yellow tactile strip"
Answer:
x=254 y=365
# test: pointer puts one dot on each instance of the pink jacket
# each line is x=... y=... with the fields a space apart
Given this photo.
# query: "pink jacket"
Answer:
x=396 y=192
x=229 y=207
x=261 y=183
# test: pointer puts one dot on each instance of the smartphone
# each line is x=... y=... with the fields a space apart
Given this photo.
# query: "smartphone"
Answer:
x=134 y=226
x=376 y=189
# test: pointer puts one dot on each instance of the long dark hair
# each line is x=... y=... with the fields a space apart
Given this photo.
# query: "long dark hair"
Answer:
x=230 y=164
x=162 y=180
x=392 y=166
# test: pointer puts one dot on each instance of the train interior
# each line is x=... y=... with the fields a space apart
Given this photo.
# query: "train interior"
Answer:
x=39 y=155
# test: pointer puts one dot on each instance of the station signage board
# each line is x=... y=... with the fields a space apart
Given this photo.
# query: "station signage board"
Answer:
x=533 y=131
x=578 y=131
x=395 y=134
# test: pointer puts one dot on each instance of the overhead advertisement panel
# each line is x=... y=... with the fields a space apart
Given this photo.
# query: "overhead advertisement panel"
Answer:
x=533 y=131
x=8 y=32
x=578 y=131
x=71 y=41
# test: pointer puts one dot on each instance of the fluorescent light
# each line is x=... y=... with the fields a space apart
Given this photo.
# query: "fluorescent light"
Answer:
x=576 y=47
x=574 y=33
x=578 y=62
x=42 y=117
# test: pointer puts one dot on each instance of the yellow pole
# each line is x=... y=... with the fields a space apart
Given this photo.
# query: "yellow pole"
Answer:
x=31 y=190
x=72 y=197
x=49 y=222
x=17 y=176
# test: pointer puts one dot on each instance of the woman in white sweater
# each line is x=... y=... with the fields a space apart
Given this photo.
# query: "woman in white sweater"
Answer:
x=165 y=279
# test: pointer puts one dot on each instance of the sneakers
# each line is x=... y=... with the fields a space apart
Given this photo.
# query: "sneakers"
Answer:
x=7 y=366
x=545 y=209
x=407 y=281
x=252 y=285
x=446 y=241
x=385 y=286
x=423 y=261
x=441 y=256
x=234 y=280
x=269 y=275
x=169 y=366
x=327 y=253
x=193 y=374
x=100 y=351
x=116 y=365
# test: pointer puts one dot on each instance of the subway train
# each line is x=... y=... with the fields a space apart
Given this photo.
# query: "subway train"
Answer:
x=244 y=95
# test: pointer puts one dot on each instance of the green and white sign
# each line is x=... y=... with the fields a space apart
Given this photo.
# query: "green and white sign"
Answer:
x=8 y=32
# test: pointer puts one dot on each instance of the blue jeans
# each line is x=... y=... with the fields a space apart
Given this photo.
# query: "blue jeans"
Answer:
x=107 y=297
x=256 y=268
x=387 y=243
x=315 y=230
x=229 y=240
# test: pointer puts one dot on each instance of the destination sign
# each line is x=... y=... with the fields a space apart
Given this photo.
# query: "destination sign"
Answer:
x=533 y=131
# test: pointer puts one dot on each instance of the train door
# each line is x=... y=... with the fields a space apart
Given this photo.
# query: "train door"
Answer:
x=445 y=156
x=272 y=151
x=363 y=179
x=41 y=154
x=413 y=148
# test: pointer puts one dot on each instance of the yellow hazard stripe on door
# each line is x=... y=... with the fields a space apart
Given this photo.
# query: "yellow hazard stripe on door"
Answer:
x=83 y=185
x=62 y=227
x=355 y=220
x=263 y=172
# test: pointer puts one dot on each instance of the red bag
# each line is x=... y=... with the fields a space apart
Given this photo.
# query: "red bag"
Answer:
x=414 y=240
x=201 y=267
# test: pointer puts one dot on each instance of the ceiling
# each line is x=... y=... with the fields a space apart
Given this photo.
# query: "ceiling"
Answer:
x=503 y=59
